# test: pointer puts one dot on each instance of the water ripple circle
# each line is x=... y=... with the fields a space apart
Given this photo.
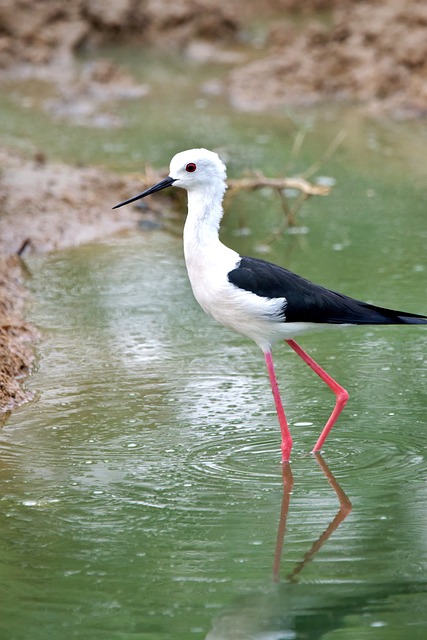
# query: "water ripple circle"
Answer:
x=239 y=458
x=378 y=456
x=381 y=455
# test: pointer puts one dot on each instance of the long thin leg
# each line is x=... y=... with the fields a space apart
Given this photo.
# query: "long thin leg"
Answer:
x=340 y=392
x=284 y=428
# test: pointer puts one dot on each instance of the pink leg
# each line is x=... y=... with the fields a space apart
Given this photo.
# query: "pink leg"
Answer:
x=340 y=392
x=284 y=428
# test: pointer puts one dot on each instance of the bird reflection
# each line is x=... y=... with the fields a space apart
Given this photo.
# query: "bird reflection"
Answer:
x=288 y=608
x=343 y=511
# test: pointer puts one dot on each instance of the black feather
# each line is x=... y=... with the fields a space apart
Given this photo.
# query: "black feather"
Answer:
x=309 y=302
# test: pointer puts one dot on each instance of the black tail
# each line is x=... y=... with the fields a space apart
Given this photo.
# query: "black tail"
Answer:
x=372 y=314
x=412 y=318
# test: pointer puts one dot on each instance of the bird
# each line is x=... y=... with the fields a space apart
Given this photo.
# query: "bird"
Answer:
x=258 y=299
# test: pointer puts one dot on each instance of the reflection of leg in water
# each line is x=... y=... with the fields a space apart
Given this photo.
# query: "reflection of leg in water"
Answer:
x=288 y=483
x=343 y=512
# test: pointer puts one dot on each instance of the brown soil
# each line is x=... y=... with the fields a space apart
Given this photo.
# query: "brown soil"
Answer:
x=53 y=205
x=375 y=53
x=372 y=51
x=49 y=31
x=16 y=336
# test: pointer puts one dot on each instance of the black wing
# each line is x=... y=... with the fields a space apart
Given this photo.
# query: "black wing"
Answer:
x=309 y=302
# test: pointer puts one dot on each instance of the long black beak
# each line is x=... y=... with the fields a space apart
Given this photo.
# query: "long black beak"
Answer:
x=157 y=187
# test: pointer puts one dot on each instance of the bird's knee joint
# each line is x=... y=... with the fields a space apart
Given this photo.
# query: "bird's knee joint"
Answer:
x=343 y=396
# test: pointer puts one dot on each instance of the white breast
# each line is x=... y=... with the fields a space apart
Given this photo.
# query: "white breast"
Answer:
x=256 y=317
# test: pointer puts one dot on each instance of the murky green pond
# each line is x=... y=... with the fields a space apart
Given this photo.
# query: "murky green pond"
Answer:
x=142 y=493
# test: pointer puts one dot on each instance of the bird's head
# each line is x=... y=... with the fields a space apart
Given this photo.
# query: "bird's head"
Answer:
x=193 y=169
x=196 y=167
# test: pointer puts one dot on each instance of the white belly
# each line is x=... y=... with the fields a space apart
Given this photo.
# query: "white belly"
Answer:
x=258 y=318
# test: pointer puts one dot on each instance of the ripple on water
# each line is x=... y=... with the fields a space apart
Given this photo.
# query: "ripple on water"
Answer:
x=379 y=455
x=238 y=457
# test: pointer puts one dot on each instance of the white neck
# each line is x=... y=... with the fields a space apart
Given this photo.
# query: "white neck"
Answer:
x=204 y=216
x=208 y=261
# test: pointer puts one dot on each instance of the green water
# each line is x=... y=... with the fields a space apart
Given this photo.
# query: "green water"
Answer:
x=142 y=490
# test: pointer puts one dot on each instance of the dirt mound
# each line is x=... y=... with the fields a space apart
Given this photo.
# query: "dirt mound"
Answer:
x=374 y=52
x=48 y=31
x=53 y=205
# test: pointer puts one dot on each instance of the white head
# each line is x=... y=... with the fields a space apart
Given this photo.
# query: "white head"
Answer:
x=195 y=169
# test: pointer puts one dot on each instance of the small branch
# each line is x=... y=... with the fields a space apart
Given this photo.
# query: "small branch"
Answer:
x=278 y=184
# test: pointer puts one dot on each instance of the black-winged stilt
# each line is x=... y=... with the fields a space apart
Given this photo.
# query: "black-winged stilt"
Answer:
x=258 y=299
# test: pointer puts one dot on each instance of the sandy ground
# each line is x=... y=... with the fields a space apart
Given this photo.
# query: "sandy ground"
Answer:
x=369 y=51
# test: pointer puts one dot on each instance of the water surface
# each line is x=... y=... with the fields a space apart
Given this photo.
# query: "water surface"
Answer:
x=142 y=490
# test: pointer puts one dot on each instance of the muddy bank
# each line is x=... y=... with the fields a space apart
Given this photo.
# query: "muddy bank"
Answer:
x=17 y=337
x=374 y=53
x=51 y=205
x=46 y=206
x=50 y=31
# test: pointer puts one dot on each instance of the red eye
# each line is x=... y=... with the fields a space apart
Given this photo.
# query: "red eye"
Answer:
x=190 y=167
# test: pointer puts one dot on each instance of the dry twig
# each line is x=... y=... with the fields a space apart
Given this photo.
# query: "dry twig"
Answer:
x=278 y=184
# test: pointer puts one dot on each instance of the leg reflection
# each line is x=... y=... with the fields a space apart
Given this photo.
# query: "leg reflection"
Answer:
x=343 y=512
x=288 y=483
